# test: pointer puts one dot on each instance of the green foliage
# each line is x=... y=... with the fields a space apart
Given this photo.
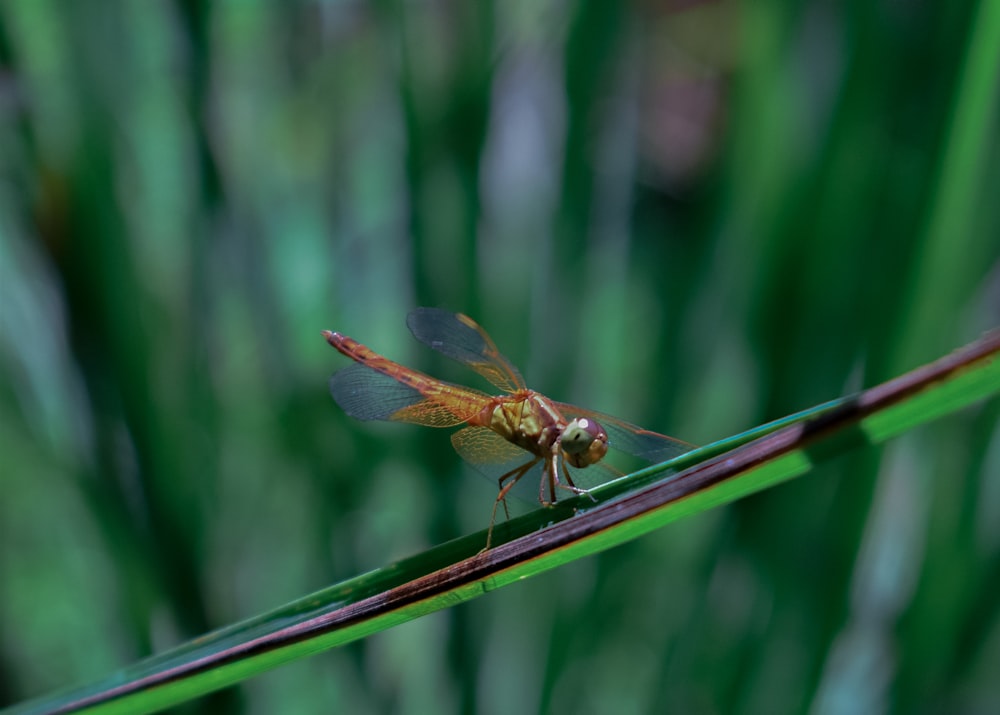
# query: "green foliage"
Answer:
x=698 y=219
x=458 y=571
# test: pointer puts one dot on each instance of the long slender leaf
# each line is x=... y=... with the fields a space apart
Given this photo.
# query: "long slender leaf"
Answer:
x=625 y=509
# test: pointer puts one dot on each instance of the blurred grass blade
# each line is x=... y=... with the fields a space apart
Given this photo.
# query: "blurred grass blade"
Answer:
x=454 y=572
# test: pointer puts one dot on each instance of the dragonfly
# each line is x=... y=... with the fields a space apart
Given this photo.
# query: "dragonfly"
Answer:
x=505 y=436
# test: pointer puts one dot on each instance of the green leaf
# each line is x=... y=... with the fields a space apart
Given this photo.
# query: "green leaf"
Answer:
x=625 y=509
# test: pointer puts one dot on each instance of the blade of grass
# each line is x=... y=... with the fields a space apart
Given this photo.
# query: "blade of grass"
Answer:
x=455 y=572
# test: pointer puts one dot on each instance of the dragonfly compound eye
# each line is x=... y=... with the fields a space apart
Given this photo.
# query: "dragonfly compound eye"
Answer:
x=584 y=442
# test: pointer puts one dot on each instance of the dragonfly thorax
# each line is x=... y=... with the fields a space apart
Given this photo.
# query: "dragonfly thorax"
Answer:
x=527 y=419
x=533 y=423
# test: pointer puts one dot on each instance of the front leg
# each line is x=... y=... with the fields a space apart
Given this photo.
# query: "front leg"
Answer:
x=569 y=485
x=552 y=466
x=551 y=478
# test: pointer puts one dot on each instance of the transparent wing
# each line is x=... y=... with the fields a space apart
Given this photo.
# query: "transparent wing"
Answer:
x=367 y=394
x=459 y=337
x=482 y=446
x=493 y=456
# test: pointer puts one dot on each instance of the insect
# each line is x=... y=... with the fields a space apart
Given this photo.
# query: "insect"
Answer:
x=506 y=436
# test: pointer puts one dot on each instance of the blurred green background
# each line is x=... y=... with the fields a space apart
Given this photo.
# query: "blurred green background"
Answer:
x=697 y=216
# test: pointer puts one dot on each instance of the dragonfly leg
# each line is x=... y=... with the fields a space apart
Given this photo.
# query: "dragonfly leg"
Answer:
x=570 y=486
x=511 y=478
x=553 y=481
x=551 y=478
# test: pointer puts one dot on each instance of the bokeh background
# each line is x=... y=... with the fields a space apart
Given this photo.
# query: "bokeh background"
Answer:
x=697 y=216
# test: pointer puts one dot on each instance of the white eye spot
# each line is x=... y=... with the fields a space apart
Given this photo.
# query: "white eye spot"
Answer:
x=583 y=422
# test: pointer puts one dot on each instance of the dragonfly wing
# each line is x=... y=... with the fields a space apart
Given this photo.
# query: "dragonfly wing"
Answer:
x=459 y=337
x=493 y=456
x=648 y=446
x=482 y=446
x=367 y=394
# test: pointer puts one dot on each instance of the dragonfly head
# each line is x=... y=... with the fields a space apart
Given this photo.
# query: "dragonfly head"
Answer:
x=584 y=442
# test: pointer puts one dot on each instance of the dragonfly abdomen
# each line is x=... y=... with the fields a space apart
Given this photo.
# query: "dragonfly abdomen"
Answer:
x=424 y=384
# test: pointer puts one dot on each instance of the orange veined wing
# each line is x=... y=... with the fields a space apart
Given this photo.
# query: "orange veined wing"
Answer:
x=459 y=337
x=483 y=448
x=369 y=394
